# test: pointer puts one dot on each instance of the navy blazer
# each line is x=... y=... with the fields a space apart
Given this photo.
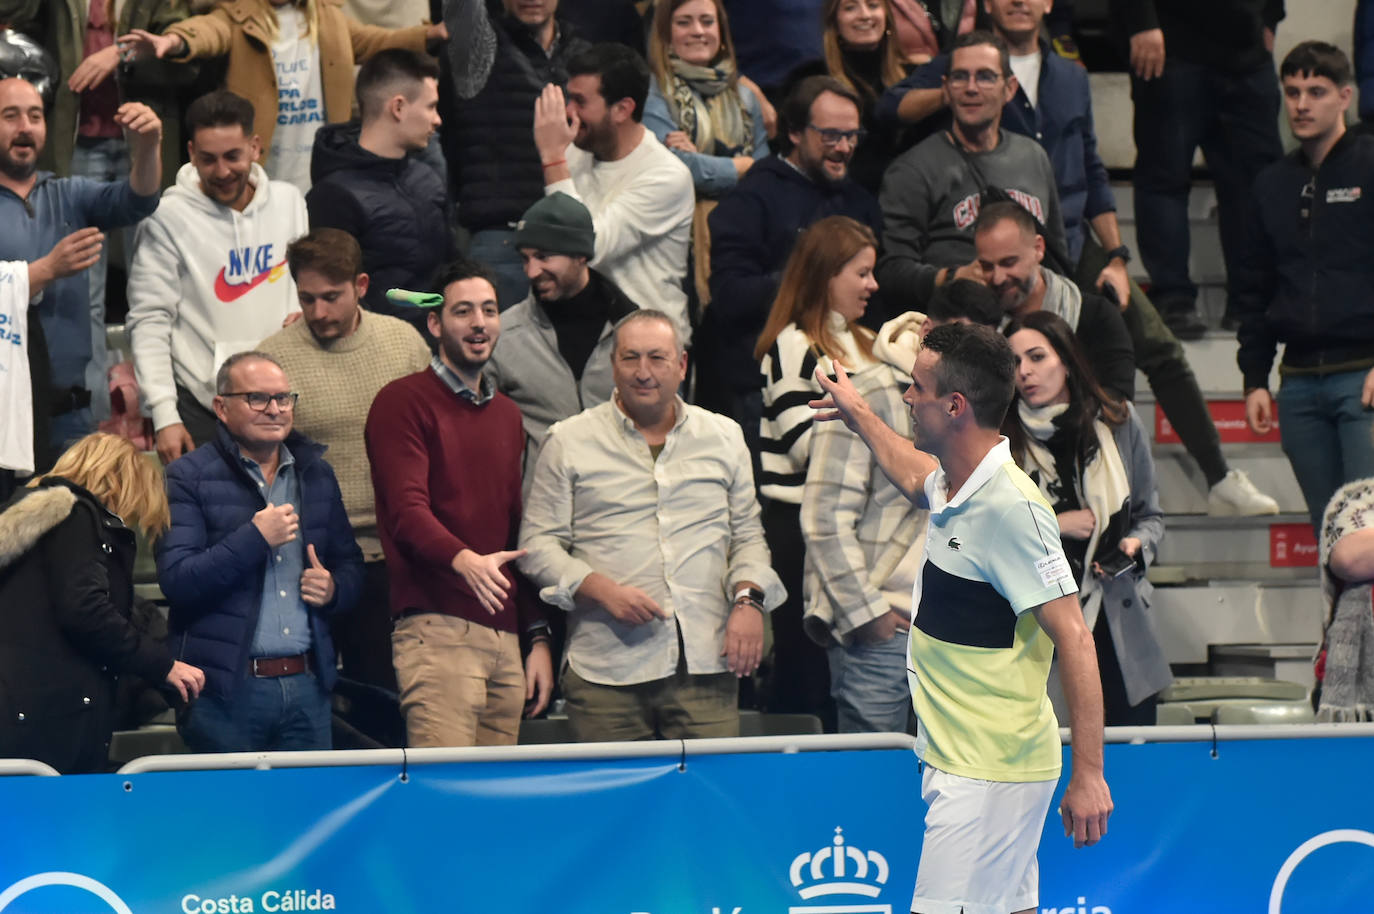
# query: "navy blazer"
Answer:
x=211 y=562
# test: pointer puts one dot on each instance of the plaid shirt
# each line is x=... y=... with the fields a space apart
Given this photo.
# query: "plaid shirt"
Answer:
x=858 y=527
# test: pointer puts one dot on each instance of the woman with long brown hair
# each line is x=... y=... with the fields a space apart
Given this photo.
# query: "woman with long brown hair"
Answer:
x=66 y=591
x=698 y=105
x=825 y=289
x=1090 y=457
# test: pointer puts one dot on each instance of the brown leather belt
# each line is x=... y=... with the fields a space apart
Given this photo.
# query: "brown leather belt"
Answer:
x=269 y=667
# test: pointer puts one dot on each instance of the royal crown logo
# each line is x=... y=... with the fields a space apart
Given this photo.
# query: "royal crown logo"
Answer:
x=840 y=869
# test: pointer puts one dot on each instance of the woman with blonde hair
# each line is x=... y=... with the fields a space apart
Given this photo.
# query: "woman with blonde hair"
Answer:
x=294 y=60
x=814 y=323
x=66 y=592
x=698 y=105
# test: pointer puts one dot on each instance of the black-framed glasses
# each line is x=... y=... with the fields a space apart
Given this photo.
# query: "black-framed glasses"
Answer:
x=985 y=79
x=831 y=138
x=257 y=400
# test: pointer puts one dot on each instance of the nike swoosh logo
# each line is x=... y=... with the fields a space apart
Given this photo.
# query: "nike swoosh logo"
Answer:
x=227 y=292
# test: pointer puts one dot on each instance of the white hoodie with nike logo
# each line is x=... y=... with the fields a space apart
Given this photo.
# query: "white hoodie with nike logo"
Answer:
x=208 y=281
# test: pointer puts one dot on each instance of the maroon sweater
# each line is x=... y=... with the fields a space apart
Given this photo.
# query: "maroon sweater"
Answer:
x=447 y=478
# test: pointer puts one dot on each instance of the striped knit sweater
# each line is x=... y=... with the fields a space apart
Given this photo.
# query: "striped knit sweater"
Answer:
x=789 y=369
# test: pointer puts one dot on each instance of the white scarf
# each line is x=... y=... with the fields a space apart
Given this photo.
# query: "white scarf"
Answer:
x=1102 y=486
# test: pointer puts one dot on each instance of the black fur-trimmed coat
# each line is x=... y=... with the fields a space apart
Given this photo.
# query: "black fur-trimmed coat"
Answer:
x=66 y=591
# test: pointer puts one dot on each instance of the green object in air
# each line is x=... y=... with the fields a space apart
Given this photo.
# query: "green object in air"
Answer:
x=414 y=299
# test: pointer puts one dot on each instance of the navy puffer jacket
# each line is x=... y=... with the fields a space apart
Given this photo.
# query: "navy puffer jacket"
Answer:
x=210 y=563
x=396 y=208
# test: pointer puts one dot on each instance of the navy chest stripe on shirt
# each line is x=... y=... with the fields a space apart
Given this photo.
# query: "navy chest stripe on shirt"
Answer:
x=960 y=611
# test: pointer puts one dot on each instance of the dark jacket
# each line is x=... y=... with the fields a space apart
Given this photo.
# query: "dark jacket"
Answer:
x=1224 y=34
x=488 y=136
x=397 y=209
x=1364 y=57
x=210 y=564
x=753 y=231
x=66 y=591
x=885 y=139
x=1309 y=283
x=1062 y=124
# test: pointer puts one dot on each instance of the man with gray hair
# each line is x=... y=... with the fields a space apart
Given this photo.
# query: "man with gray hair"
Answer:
x=259 y=555
x=642 y=524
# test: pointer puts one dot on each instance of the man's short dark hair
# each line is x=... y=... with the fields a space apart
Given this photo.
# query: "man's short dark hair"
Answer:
x=967 y=299
x=983 y=36
x=977 y=362
x=220 y=108
x=331 y=252
x=992 y=213
x=1317 y=58
x=462 y=269
x=796 y=108
x=395 y=71
x=624 y=74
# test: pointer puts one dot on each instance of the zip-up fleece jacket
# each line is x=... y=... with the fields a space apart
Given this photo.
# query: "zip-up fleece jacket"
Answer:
x=208 y=281
x=1309 y=282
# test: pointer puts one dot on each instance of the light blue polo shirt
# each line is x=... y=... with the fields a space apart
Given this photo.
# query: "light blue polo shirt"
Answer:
x=979 y=660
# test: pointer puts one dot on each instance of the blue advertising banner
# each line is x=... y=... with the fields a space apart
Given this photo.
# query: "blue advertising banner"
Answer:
x=1277 y=826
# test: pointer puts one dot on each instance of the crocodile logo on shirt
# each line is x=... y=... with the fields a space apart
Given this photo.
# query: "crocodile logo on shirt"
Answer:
x=954 y=543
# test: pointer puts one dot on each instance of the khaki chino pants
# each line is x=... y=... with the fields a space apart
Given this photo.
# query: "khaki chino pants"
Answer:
x=461 y=683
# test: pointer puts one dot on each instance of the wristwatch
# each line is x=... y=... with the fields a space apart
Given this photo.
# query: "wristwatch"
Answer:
x=1121 y=253
x=750 y=595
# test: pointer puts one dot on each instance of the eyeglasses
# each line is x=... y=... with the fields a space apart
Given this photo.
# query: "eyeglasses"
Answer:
x=832 y=138
x=257 y=401
x=985 y=79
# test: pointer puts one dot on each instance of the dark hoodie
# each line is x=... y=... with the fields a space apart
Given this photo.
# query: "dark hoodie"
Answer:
x=753 y=231
x=396 y=208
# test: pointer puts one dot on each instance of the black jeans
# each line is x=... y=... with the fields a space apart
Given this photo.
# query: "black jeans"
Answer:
x=1159 y=355
x=1234 y=118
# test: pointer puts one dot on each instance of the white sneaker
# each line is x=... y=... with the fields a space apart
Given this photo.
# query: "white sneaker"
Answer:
x=1236 y=496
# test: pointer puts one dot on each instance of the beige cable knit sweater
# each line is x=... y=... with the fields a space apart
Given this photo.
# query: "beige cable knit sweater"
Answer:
x=337 y=382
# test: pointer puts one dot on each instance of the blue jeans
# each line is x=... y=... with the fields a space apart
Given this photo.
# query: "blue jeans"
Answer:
x=272 y=714
x=1326 y=434
x=869 y=685
x=103 y=160
x=495 y=249
x=1234 y=118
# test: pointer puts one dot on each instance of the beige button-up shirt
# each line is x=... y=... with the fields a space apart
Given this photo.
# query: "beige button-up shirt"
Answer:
x=683 y=528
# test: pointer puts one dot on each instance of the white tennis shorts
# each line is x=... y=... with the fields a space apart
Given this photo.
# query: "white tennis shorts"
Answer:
x=978 y=855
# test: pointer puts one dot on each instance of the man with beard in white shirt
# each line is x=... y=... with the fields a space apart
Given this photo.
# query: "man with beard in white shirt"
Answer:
x=594 y=148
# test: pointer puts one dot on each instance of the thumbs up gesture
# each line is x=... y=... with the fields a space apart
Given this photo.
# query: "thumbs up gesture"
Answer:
x=317 y=584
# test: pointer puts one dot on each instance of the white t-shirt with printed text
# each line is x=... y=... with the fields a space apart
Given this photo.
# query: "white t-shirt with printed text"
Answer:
x=300 y=99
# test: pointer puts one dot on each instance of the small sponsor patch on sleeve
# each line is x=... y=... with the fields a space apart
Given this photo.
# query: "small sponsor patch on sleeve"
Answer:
x=1054 y=569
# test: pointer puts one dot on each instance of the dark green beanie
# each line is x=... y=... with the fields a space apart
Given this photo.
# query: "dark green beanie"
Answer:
x=557 y=224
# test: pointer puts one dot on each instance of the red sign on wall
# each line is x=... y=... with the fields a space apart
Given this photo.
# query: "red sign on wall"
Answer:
x=1229 y=418
x=1292 y=546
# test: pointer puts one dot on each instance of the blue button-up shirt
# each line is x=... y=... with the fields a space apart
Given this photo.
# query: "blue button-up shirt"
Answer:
x=30 y=228
x=283 y=621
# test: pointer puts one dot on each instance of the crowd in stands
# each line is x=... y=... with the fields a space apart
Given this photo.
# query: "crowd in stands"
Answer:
x=479 y=338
